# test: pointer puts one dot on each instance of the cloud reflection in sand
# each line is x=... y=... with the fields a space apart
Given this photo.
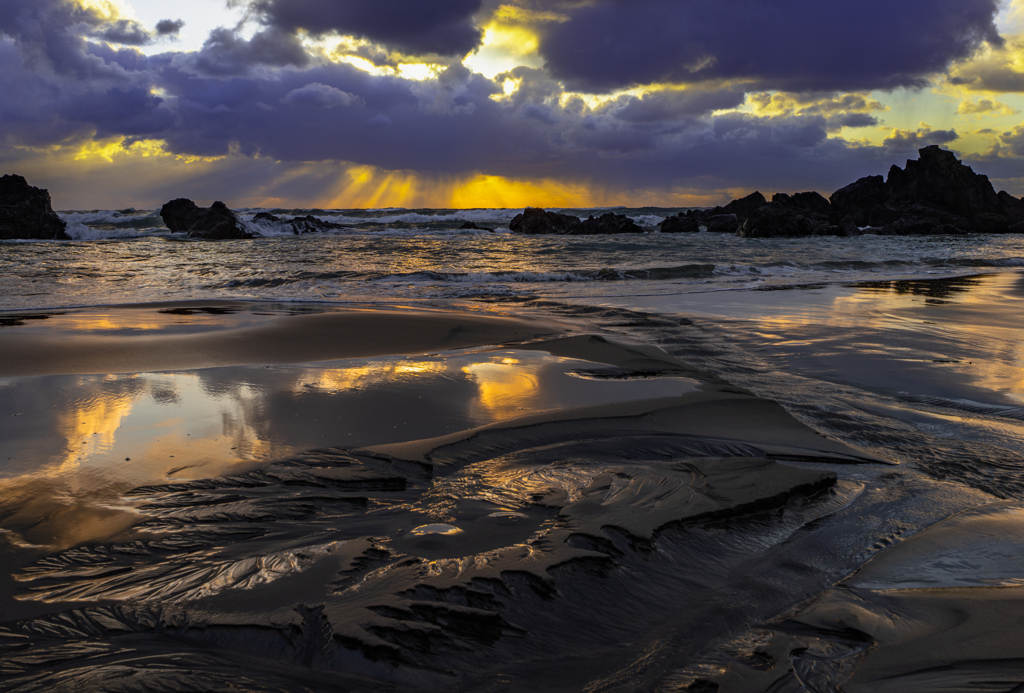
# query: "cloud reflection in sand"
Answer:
x=72 y=445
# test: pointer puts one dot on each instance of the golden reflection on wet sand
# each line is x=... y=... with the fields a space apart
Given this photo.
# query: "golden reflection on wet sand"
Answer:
x=82 y=442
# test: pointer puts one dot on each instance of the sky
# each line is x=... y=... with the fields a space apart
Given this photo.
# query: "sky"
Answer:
x=499 y=103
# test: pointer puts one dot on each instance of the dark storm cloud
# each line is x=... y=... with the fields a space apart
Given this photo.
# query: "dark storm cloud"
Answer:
x=444 y=27
x=852 y=120
x=270 y=97
x=226 y=54
x=125 y=31
x=793 y=45
x=169 y=27
x=670 y=105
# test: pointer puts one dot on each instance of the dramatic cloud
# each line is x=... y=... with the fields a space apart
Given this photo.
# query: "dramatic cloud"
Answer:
x=793 y=45
x=318 y=95
x=125 y=31
x=169 y=27
x=998 y=70
x=985 y=107
x=759 y=98
x=444 y=27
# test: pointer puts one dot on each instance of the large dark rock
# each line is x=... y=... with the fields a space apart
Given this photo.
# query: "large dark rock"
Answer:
x=537 y=221
x=939 y=179
x=779 y=219
x=937 y=190
x=26 y=213
x=607 y=223
x=741 y=207
x=1010 y=206
x=723 y=223
x=808 y=203
x=680 y=224
x=857 y=200
x=215 y=222
x=990 y=223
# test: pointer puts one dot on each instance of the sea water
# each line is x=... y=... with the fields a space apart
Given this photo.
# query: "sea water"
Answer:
x=423 y=255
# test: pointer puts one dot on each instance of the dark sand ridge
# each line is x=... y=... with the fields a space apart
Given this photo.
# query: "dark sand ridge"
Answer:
x=292 y=339
x=941 y=611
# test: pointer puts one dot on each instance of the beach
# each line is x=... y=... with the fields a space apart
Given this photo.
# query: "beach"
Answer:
x=610 y=485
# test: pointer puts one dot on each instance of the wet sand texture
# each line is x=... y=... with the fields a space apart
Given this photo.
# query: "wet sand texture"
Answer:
x=553 y=550
x=293 y=339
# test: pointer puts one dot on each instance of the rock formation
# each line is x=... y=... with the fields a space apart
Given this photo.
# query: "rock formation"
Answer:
x=680 y=224
x=537 y=221
x=216 y=222
x=934 y=195
x=723 y=223
x=26 y=213
x=935 y=192
x=298 y=225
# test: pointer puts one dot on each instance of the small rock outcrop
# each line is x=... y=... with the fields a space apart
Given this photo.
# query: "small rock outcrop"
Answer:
x=937 y=191
x=26 y=212
x=607 y=223
x=537 y=221
x=215 y=222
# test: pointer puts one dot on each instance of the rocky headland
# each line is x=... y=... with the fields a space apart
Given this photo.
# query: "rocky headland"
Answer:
x=26 y=212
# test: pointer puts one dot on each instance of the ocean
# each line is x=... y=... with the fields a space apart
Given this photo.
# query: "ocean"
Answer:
x=422 y=255
x=370 y=523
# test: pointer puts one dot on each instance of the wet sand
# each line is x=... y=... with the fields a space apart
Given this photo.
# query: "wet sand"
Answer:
x=284 y=497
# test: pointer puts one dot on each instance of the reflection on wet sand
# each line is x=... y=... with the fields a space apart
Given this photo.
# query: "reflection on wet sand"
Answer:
x=573 y=512
x=94 y=437
x=956 y=339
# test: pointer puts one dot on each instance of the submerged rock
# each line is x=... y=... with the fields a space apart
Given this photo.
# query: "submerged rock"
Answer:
x=470 y=226
x=538 y=221
x=26 y=212
x=216 y=222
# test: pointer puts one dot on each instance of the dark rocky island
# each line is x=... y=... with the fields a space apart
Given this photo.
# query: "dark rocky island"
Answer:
x=215 y=222
x=934 y=195
x=26 y=212
x=537 y=221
